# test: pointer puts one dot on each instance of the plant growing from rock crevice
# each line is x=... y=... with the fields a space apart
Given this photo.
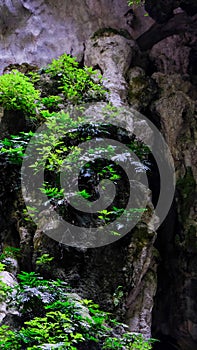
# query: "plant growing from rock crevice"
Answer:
x=77 y=84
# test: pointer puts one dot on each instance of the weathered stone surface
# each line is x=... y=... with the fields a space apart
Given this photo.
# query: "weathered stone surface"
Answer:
x=113 y=55
x=175 y=303
x=126 y=117
x=129 y=262
x=171 y=55
x=39 y=30
x=36 y=31
x=10 y=280
x=97 y=273
x=163 y=10
x=142 y=89
x=177 y=114
x=12 y=122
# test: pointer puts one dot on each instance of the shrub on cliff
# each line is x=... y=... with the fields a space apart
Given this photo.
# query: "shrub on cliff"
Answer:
x=18 y=93
x=77 y=84
x=53 y=317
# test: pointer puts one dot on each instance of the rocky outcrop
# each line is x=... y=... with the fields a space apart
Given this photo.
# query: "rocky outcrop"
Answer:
x=161 y=11
x=172 y=55
x=173 y=110
x=112 y=54
x=99 y=273
x=171 y=17
x=161 y=84
x=8 y=278
x=177 y=309
x=142 y=89
x=129 y=263
x=38 y=31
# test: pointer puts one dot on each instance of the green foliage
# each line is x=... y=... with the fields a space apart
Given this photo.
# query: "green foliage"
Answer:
x=4 y=288
x=77 y=84
x=58 y=149
x=44 y=259
x=34 y=77
x=84 y=194
x=2 y=267
x=128 y=341
x=18 y=93
x=136 y=2
x=29 y=213
x=51 y=102
x=52 y=192
x=118 y=295
x=56 y=318
x=13 y=148
x=9 y=252
x=106 y=216
x=108 y=169
x=52 y=148
x=139 y=149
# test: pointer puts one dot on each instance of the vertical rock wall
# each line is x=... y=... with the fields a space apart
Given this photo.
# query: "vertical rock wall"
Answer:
x=159 y=83
x=39 y=30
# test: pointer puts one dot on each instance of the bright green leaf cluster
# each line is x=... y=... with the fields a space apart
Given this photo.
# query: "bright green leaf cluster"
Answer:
x=13 y=148
x=44 y=259
x=135 y=2
x=56 y=318
x=51 y=102
x=77 y=84
x=18 y=93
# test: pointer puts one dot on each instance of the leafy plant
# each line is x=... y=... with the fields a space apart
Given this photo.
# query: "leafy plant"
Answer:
x=6 y=258
x=108 y=169
x=4 y=288
x=58 y=151
x=136 y=2
x=84 y=194
x=56 y=318
x=13 y=148
x=104 y=215
x=44 y=259
x=118 y=295
x=129 y=341
x=18 y=93
x=77 y=84
x=51 y=102
x=10 y=252
x=34 y=77
x=52 y=192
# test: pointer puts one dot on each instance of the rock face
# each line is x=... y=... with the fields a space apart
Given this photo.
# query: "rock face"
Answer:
x=172 y=55
x=113 y=54
x=129 y=263
x=9 y=279
x=38 y=31
x=162 y=10
x=161 y=84
x=176 y=110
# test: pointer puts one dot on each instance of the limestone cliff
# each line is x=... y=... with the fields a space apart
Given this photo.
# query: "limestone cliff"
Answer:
x=149 y=64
